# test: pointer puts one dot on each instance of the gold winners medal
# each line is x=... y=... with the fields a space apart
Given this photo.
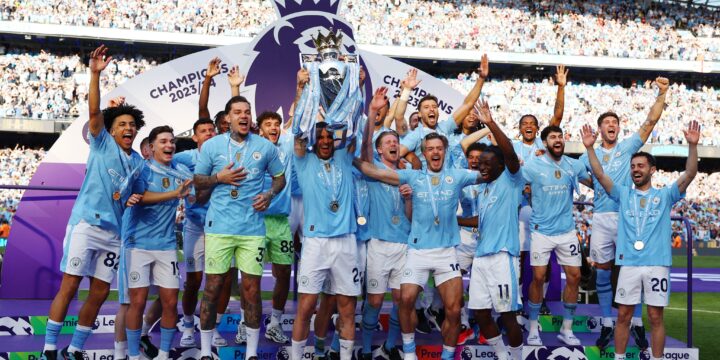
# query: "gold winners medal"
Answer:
x=116 y=196
x=234 y=193
x=643 y=202
x=606 y=158
x=435 y=180
x=558 y=174
x=327 y=167
x=395 y=219
x=334 y=206
x=639 y=245
x=437 y=220
x=361 y=220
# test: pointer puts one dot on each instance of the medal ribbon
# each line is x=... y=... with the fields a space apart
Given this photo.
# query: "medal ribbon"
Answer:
x=129 y=172
x=432 y=197
x=640 y=226
x=330 y=182
x=245 y=146
x=395 y=192
x=358 y=210
x=179 y=172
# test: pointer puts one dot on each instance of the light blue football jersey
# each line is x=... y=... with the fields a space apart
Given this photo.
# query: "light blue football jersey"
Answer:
x=553 y=185
x=280 y=204
x=645 y=216
x=526 y=152
x=323 y=183
x=616 y=164
x=152 y=227
x=109 y=172
x=387 y=211
x=234 y=215
x=435 y=194
x=497 y=206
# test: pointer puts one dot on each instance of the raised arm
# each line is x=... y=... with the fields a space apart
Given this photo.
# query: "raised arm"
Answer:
x=98 y=62
x=588 y=138
x=656 y=110
x=302 y=78
x=511 y=160
x=235 y=79
x=474 y=94
x=212 y=70
x=378 y=101
x=692 y=135
x=560 y=80
x=407 y=85
x=390 y=116
x=300 y=146
x=475 y=136
x=370 y=170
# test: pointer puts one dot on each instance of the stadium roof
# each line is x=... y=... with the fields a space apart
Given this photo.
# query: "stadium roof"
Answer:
x=711 y=3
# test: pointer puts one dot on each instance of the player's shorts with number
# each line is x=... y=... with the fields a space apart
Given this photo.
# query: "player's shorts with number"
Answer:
x=221 y=249
x=441 y=262
x=278 y=240
x=359 y=274
x=566 y=247
x=152 y=267
x=89 y=250
x=494 y=283
x=385 y=265
x=333 y=259
x=604 y=236
x=651 y=284
x=194 y=246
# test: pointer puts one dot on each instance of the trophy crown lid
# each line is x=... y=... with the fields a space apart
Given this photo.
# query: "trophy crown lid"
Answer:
x=329 y=41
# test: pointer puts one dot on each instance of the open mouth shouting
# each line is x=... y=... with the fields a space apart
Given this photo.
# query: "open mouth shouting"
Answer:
x=127 y=138
x=273 y=136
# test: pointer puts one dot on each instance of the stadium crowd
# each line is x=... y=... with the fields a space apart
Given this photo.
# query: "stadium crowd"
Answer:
x=17 y=166
x=591 y=28
x=515 y=97
x=54 y=86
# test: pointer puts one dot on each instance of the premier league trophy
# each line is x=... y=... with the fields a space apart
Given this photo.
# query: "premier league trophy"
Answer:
x=333 y=94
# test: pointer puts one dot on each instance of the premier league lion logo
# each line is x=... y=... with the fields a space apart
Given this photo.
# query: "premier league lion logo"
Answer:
x=279 y=48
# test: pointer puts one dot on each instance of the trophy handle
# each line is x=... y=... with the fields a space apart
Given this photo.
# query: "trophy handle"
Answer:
x=349 y=58
x=308 y=58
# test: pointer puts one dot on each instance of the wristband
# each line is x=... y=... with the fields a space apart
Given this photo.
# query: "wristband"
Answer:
x=405 y=94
